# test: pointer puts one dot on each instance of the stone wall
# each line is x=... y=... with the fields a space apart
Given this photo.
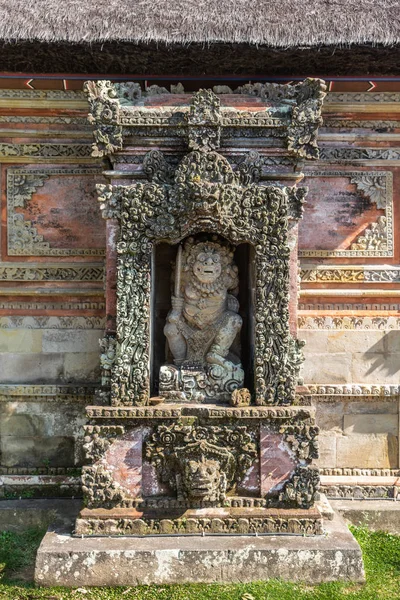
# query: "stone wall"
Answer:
x=52 y=298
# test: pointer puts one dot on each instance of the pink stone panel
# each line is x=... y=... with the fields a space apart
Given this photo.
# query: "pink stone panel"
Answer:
x=335 y=214
x=124 y=459
x=277 y=462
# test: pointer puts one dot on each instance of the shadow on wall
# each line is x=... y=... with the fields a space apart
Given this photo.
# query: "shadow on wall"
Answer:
x=380 y=361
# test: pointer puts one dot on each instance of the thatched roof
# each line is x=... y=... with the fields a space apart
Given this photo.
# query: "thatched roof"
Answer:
x=279 y=23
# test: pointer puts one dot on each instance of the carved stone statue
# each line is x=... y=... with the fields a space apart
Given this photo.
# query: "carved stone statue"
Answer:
x=203 y=325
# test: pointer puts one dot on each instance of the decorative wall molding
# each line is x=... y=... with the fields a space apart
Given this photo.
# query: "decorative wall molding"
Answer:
x=344 y=472
x=26 y=272
x=33 y=119
x=62 y=95
x=334 y=154
x=23 y=238
x=335 y=123
x=47 y=393
x=70 y=306
x=348 y=305
x=47 y=151
x=381 y=323
x=54 y=322
x=377 y=238
x=361 y=97
x=353 y=389
x=349 y=274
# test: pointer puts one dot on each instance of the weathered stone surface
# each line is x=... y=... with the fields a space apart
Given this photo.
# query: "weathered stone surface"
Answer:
x=21 y=340
x=327 y=368
x=329 y=416
x=355 y=341
x=327 y=450
x=71 y=340
x=35 y=451
x=31 y=368
x=66 y=561
x=378 y=407
x=378 y=515
x=82 y=366
x=20 y=515
x=371 y=423
x=368 y=367
x=367 y=451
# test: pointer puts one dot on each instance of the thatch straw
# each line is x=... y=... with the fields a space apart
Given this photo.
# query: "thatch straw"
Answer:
x=278 y=23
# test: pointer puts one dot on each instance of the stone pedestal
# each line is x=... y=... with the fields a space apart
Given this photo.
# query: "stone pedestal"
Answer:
x=63 y=560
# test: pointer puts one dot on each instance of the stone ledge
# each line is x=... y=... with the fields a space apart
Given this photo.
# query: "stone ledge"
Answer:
x=63 y=560
x=378 y=515
x=176 y=411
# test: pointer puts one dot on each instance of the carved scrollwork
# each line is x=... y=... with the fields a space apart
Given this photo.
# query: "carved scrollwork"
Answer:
x=204 y=121
x=250 y=168
x=100 y=489
x=104 y=116
x=98 y=439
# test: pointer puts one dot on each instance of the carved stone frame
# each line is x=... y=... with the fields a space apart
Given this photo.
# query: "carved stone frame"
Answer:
x=213 y=200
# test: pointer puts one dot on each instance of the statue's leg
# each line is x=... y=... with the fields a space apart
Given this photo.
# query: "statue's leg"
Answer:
x=224 y=340
x=176 y=341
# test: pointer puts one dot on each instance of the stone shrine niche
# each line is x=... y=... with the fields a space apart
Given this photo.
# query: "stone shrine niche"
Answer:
x=200 y=406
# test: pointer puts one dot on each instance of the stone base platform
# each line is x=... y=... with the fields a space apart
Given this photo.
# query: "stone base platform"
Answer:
x=63 y=560
x=227 y=520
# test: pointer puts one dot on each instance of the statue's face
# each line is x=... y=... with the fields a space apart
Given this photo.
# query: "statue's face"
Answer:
x=203 y=478
x=207 y=267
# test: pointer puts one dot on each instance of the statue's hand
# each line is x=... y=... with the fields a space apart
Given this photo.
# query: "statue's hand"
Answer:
x=177 y=306
x=233 y=303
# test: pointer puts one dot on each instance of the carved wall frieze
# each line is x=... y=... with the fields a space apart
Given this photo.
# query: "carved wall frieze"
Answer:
x=296 y=118
x=47 y=151
x=29 y=305
x=22 y=236
x=360 y=491
x=334 y=154
x=47 y=392
x=347 y=124
x=325 y=322
x=349 y=472
x=50 y=273
x=361 y=97
x=53 y=322
x=62 y=95
x=346 y=274
x=379 y=305
x=353 y=389
x=100 y=489
x=377 y=238
x=197 y=525
x=32 y=119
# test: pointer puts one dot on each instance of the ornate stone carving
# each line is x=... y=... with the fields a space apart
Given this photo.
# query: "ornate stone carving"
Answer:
x=107 y=358
x=249 y=168
x=333 y=154
x=157 y=169
x=99 y=487
x=47 y=393
x=204 y=121
x=354 y=389
x=383 y=323
x=374 y=237
x=45 y=151
x=382 y=125
x=201 y=463
x=50 y=273
x=373 y=186
x=362 y=97
x=104 y=116
x=302 y=488
x=206 y=196
x=98 y=439
x=346 y=274
x=42 y=322
x=240 y=397
x=302 y=435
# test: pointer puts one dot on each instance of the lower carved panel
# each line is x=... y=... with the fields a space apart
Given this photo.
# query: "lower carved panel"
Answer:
x=212 y=521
